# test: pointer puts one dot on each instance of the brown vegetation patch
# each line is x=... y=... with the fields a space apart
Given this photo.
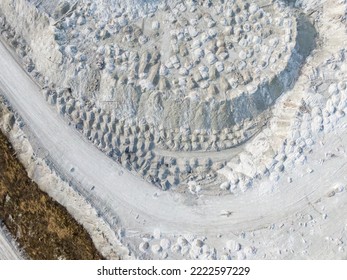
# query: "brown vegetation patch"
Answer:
x=42 y=227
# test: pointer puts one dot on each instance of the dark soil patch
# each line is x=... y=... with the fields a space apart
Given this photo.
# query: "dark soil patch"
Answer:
x=41 y=226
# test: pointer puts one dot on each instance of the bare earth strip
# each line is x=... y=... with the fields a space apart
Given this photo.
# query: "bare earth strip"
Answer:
x=42 y=228
x=125 y=199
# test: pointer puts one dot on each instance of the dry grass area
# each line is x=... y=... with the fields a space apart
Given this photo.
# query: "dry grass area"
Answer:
x=41 y=226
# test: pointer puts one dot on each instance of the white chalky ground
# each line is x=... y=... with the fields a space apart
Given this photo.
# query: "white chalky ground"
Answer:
x=280 y=195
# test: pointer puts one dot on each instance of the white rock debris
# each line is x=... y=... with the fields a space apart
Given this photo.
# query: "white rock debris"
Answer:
x=234 y=112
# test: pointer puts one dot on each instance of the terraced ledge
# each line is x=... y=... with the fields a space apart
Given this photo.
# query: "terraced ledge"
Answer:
x=263 y=203
x=140 y=143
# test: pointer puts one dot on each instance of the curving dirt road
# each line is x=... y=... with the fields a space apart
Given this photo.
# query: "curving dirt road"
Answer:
x=7 y=249
x=115 y=188
x=125 y=199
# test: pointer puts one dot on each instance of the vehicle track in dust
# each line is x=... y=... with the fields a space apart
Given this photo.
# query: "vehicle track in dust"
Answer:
x=125 y=198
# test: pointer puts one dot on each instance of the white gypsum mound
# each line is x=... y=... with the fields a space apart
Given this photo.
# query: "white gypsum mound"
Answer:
x=237 y=189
